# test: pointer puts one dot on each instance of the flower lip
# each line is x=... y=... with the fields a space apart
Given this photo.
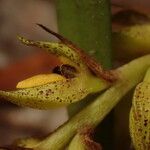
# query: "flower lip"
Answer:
x=39 y=80
x=62 y=72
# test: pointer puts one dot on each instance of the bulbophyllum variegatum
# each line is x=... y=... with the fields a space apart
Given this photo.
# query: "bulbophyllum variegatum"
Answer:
x=78 y=76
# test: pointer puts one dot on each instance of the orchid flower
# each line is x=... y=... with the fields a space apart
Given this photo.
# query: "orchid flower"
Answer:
x=78 y=76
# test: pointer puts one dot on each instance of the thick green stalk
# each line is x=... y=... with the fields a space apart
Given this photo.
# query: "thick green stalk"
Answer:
x=129 y=75
x=87 y=24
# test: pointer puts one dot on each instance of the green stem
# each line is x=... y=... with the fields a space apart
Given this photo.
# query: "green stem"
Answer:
x=94 y=113
x=87 y=24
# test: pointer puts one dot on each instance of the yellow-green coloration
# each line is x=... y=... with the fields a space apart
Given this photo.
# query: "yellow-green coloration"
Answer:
x=65 y=60
x=71 y=84
x=26 y=143
x=77 y=143
x=140 y=115
x=59 y=49
x=132 y=41
x=39 y=80
x=57 y=93
x=147 y=76
x=129 y=76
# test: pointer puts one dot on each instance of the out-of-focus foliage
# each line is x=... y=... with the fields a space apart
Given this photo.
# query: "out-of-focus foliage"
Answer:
x=131 y=42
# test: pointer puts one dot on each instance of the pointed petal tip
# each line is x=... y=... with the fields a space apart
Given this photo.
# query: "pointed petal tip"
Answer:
x=25 y=41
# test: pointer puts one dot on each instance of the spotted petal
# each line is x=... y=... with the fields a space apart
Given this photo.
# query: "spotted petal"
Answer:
x=140 y=115
x=57 y=93
x=56 y=48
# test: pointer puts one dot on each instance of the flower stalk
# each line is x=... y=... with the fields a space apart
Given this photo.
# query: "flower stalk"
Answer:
x=129 y=75
x=88 y=24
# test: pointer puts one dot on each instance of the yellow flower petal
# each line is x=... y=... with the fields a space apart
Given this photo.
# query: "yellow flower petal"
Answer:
x=39 y=80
